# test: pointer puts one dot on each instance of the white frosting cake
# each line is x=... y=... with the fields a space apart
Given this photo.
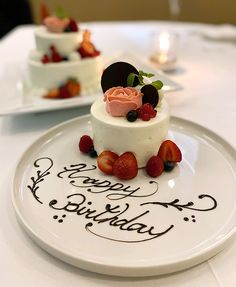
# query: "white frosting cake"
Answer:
x=116 y=134
x=51 y=75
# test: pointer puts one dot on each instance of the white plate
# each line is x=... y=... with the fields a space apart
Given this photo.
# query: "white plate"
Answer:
x=179 y=219
x=20 y=98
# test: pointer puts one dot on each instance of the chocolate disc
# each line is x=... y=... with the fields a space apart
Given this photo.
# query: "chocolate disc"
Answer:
x=150 y=95
x=116 y=75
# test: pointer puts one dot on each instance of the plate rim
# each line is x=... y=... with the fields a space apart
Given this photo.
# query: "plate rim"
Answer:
x=118 y=270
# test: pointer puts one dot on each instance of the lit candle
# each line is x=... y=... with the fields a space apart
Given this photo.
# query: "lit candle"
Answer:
x=164 y=56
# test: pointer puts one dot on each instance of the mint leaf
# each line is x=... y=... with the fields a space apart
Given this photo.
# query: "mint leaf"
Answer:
x=140 y=78
x=61 y=13
x=157 y=84
x=130 y=79
x=147 y=75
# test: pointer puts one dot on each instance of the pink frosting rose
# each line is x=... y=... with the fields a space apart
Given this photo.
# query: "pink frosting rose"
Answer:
x=55 y=24
x=119 y=100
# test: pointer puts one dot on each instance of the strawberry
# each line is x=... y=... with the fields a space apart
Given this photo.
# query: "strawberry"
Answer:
x=154 y=166
x=87 y=49
x=106 y=161
x=52 y=94
x=169 y=151
x=85 y=144
x=64 y=93
x=73 y=87
x=126 y=166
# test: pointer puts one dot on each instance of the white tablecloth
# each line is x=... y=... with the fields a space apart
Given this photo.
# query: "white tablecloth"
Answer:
x=207 y=71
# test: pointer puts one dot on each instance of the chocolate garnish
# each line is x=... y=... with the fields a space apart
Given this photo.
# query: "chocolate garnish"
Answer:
x=150 y=95
x=116 y=75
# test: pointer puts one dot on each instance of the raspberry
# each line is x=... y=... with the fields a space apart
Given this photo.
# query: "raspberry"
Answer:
x=154 y=166
x=85 y=144
x=145 y=117
x=56 y=57
x=45 y=59
x=146 y=112
x=73 y=25
x=147 y=108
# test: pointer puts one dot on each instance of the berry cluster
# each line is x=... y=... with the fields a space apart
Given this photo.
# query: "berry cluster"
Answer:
x=86 y=146
x=72 y=26
x=68 y=90
x=125 y=166
x=145 y=112
x=53 y=57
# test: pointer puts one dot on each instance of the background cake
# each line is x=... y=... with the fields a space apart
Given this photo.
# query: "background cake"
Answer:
x=64 y=52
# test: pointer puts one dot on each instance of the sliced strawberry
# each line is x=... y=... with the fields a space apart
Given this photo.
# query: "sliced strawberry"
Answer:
x=106 y=161
x=64 y=93
x=52 y=94
x=73 y=87
x=154 y=166
x=126 y=166
x=169 y=151
x=87 y=49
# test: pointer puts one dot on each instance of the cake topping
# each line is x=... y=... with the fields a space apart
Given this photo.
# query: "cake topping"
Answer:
x=150 y=95
x=123 y=98
x=119 y=100
x=55 y=24
x=116 y=75
x=87 y=48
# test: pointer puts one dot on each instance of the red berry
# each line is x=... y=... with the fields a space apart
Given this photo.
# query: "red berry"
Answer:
x=169 y=151
x=64 y=93
x=45 y=59
x=145 y=117
x=73 y=25
x=85 y=144
x=147 y=108
x=56 y=57
x=153 y=114
x=126 y=166
x=106 y=161
x=87 y=49
x=154 y=166
x=53 y=49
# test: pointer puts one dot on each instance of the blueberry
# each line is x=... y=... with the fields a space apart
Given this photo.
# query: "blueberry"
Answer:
x=169 y=165
x=132 y=116
x=93 y=153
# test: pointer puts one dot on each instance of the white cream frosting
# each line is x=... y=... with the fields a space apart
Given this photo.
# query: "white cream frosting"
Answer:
x=117 y=134
x=65 y=43
x=87 y=71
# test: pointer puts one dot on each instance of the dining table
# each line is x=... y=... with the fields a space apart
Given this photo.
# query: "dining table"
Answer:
x=205 y=74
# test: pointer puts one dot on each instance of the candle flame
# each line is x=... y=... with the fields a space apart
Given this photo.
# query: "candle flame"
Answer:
x=164 y=41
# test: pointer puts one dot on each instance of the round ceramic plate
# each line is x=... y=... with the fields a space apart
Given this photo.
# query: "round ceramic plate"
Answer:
x=140 y=227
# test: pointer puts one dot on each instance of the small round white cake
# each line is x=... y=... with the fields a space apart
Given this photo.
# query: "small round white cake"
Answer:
x=116 y=134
